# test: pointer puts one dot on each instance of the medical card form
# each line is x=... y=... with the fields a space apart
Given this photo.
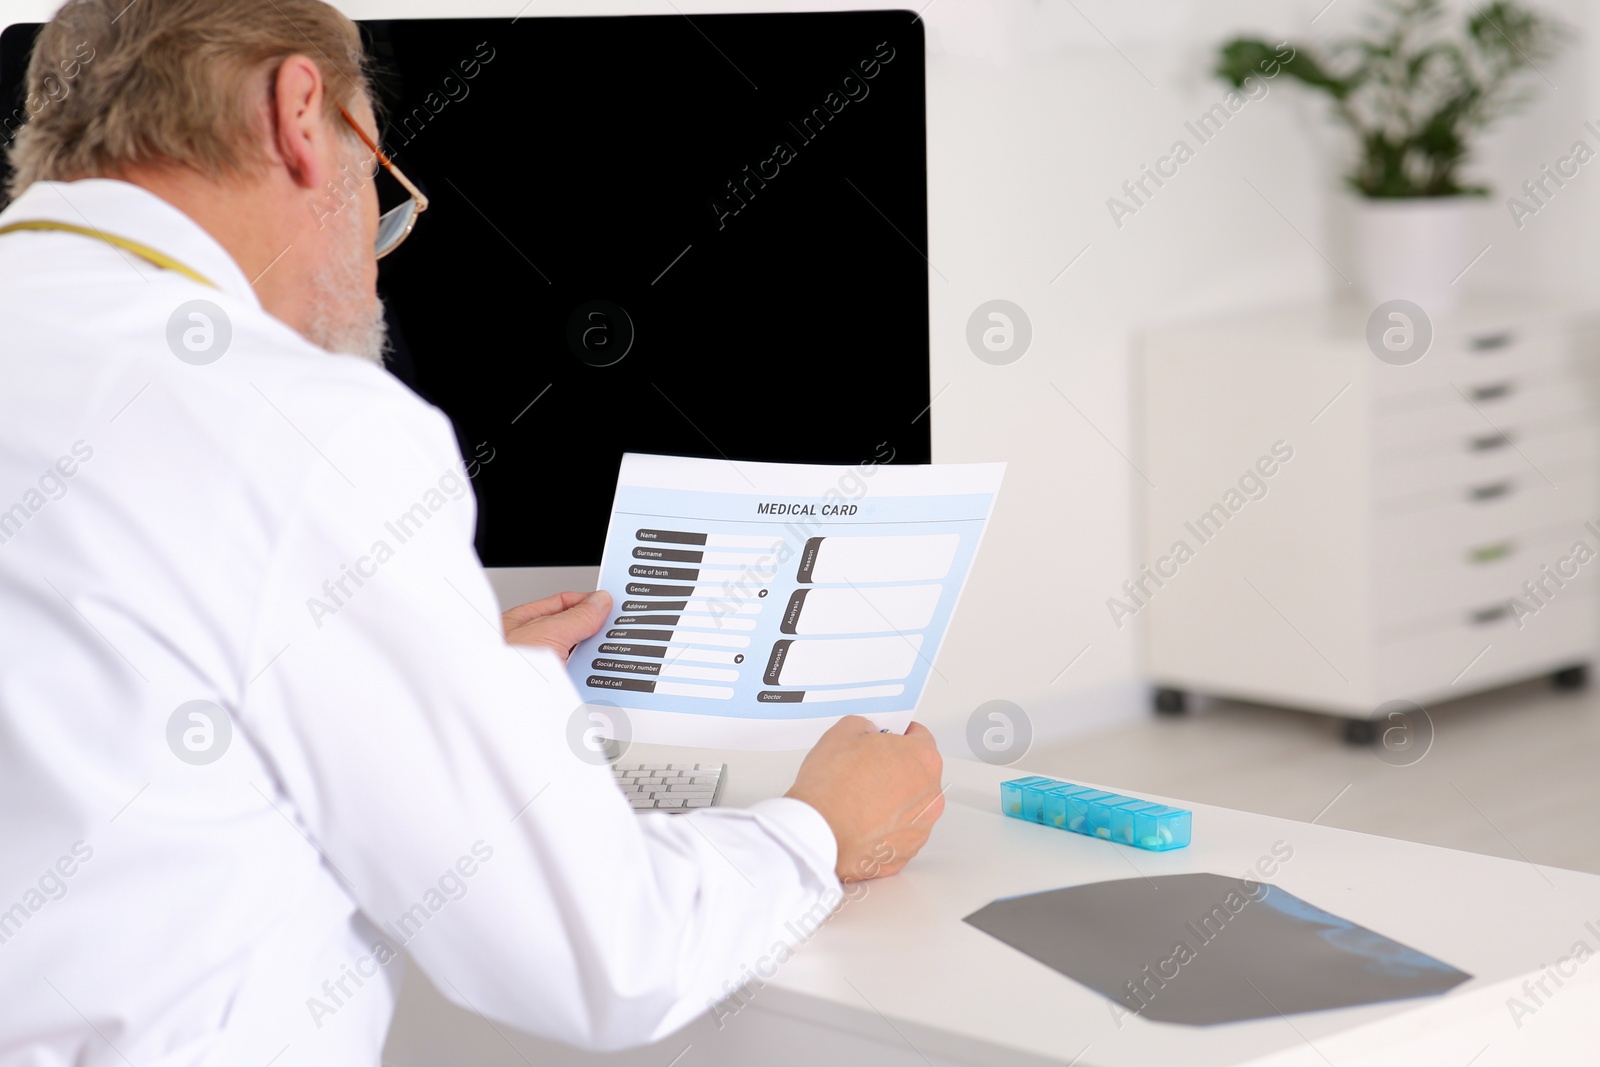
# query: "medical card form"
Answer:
x=754 y=604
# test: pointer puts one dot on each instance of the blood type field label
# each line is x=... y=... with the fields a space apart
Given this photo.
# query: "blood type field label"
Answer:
x=754 y=604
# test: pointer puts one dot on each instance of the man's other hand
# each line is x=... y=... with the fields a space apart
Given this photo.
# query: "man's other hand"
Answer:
x=557 y=622
x=879 y=793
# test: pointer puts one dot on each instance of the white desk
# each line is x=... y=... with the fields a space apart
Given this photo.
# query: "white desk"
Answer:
x=896 y=978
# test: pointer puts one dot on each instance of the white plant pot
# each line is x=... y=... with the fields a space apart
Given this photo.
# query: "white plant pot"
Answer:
x=1413 y=250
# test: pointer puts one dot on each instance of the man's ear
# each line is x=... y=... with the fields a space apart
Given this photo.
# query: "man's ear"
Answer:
x=299 y=132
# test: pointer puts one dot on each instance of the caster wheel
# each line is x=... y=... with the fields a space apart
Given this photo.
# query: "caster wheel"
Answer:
x=1171 y=702
x=1360 y=731
x=1571 y=678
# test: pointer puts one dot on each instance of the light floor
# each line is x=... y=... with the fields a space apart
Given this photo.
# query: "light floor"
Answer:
x=1512 y=773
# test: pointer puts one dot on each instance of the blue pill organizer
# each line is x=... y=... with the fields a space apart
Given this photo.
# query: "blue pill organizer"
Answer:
x=1096 y=813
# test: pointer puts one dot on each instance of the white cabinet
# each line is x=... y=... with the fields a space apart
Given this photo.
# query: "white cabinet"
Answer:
x=1429 y=533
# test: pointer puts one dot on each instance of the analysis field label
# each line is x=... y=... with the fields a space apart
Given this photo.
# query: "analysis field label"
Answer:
x=756 y=603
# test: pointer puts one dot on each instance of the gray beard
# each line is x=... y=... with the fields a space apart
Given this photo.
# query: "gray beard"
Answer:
x=342 y=318
x=337 y=331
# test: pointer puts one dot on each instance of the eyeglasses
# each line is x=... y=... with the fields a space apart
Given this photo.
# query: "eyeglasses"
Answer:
x=395 y=224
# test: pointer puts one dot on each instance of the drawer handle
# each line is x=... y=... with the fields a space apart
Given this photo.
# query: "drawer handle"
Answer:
x=1488 y=442
x=1496 y=391
x=1489 y=342
x=1490 y=553
x=1490 y=491
x=1485 y=616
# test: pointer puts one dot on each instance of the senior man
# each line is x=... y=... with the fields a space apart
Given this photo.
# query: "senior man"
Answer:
x=261 y=727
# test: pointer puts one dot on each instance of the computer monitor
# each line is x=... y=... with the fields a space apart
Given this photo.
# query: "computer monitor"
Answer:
x=696 y=235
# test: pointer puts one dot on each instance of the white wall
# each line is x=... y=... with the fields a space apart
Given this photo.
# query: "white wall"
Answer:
x=1025 y=149
x=1038 y=111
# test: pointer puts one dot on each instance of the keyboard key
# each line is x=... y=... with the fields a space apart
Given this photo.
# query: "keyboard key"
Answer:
x=668 y=787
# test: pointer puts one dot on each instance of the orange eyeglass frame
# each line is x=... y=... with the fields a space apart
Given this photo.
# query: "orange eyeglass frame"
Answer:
x=394 y=225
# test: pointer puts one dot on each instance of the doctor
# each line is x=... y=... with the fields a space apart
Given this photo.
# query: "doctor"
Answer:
x=261 y=726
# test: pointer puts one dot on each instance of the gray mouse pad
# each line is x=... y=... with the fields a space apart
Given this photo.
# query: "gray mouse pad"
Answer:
x=1202 y=949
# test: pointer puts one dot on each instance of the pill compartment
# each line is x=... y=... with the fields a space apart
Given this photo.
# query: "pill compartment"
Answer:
x=1011 y=799
x=1102 y=812
x=1081 y=809
x=1014 y=794
x=1160 y=828
x=1121 y=817
x=1055 y=802
x=1033 y=795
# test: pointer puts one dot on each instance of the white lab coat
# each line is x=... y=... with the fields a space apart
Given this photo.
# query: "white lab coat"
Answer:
x=396 y=774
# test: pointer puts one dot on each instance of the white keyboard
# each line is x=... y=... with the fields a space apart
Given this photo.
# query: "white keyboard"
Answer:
x=671 y=787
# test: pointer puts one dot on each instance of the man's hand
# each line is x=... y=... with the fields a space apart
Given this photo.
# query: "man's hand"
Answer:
x=879 y=793
x=557 y=622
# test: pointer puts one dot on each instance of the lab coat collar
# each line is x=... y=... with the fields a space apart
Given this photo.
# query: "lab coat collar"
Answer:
x=127 y=210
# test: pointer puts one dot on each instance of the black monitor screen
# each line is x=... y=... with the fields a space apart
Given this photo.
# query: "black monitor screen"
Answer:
x=697 y=236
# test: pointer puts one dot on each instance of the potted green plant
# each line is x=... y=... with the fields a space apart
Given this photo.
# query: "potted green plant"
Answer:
x=1415 y=95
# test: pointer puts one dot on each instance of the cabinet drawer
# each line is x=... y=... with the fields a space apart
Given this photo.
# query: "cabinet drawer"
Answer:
x=1509 y=404
x=1484 y=515
x=1457 y=657
x=1510 y=350
x=1470 y=582
x=1571 y=443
